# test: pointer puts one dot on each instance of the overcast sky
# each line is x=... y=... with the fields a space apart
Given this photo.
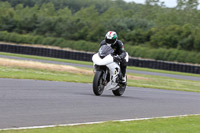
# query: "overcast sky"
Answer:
x=168 y=3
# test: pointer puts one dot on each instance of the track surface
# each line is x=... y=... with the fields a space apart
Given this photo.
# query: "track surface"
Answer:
x=88 y=66
x=34 y=103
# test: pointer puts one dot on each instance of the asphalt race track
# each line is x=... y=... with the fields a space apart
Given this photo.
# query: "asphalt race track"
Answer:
x=89 y=66
x=35 y=103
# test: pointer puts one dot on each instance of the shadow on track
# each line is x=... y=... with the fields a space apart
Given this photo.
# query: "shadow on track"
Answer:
x=109 y=96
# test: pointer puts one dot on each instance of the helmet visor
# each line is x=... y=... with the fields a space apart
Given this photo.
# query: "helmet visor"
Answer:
x=110 y=41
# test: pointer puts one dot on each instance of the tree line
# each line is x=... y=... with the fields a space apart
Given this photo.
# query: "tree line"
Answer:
x=151 y=25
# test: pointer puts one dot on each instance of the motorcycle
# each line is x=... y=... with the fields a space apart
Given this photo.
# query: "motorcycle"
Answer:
x=108 y=74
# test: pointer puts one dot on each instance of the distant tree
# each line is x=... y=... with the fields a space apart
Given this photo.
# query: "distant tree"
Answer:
x=151 y=24
x=187 y=4
x=197 y=39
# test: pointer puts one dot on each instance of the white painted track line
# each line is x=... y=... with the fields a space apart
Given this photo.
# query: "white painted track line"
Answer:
x=99 y=122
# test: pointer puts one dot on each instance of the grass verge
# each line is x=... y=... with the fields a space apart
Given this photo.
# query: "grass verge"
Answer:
x=189 y=124
x=47 y=58
x=27 y=73
x=90 y=63
x=52 y=72
x=159 y=82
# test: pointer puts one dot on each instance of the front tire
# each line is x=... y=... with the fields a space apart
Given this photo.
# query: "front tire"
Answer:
x=98 y=86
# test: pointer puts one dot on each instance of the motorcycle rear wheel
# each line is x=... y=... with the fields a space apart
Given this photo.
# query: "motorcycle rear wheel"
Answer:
x=98 y=86
x=120 y=91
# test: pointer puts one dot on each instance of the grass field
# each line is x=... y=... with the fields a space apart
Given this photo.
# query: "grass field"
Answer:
x=43 y=71
x=90 y=63
x=189 y=124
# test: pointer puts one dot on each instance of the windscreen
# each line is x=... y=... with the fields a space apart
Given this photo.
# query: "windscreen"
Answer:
x=105 y=50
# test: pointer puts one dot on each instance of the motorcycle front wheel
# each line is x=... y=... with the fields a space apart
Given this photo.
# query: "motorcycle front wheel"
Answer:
x=98 y=86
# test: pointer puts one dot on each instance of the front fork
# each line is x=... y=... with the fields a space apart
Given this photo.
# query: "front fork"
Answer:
x=105 y=74
x=104 y=71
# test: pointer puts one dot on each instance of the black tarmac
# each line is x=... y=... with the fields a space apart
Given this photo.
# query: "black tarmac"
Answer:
x=36 y=103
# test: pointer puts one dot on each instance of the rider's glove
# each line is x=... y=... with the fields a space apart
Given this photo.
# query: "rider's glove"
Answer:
x=117 y=58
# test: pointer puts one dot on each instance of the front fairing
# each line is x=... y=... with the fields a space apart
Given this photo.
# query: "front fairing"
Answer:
x=102 y=61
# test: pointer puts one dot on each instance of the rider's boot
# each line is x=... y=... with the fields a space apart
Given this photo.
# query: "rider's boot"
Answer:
x=124 y=79
x=123 y=70
x=124 y=75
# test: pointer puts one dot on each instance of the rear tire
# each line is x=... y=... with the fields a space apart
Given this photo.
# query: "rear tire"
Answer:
x=98 y=87
x=120 y=91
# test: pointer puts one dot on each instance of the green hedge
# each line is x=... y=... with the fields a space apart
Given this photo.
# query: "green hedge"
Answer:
x=135 y=51
x=164 y=54
x=60 y=42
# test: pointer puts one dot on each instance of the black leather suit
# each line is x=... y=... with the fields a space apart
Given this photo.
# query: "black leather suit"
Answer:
x=118 y=48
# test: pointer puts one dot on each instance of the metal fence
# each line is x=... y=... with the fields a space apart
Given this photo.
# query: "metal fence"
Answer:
x=84 y=56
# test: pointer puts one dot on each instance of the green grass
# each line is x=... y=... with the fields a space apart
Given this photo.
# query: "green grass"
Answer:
x=37 y=74
x=159 y=82
x=147 y=81
x=189 y=124
x=90 y=63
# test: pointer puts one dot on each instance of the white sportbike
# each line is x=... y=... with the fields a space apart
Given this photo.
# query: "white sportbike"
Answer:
x=108 y=74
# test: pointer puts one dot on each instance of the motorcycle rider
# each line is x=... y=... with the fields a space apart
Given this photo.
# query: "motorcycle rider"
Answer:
x=111 y=39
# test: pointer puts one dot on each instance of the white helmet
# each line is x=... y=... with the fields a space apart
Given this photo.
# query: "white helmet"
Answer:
x=111 y=37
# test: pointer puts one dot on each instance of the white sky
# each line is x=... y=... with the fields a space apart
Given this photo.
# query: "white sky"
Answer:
x=168 y=3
